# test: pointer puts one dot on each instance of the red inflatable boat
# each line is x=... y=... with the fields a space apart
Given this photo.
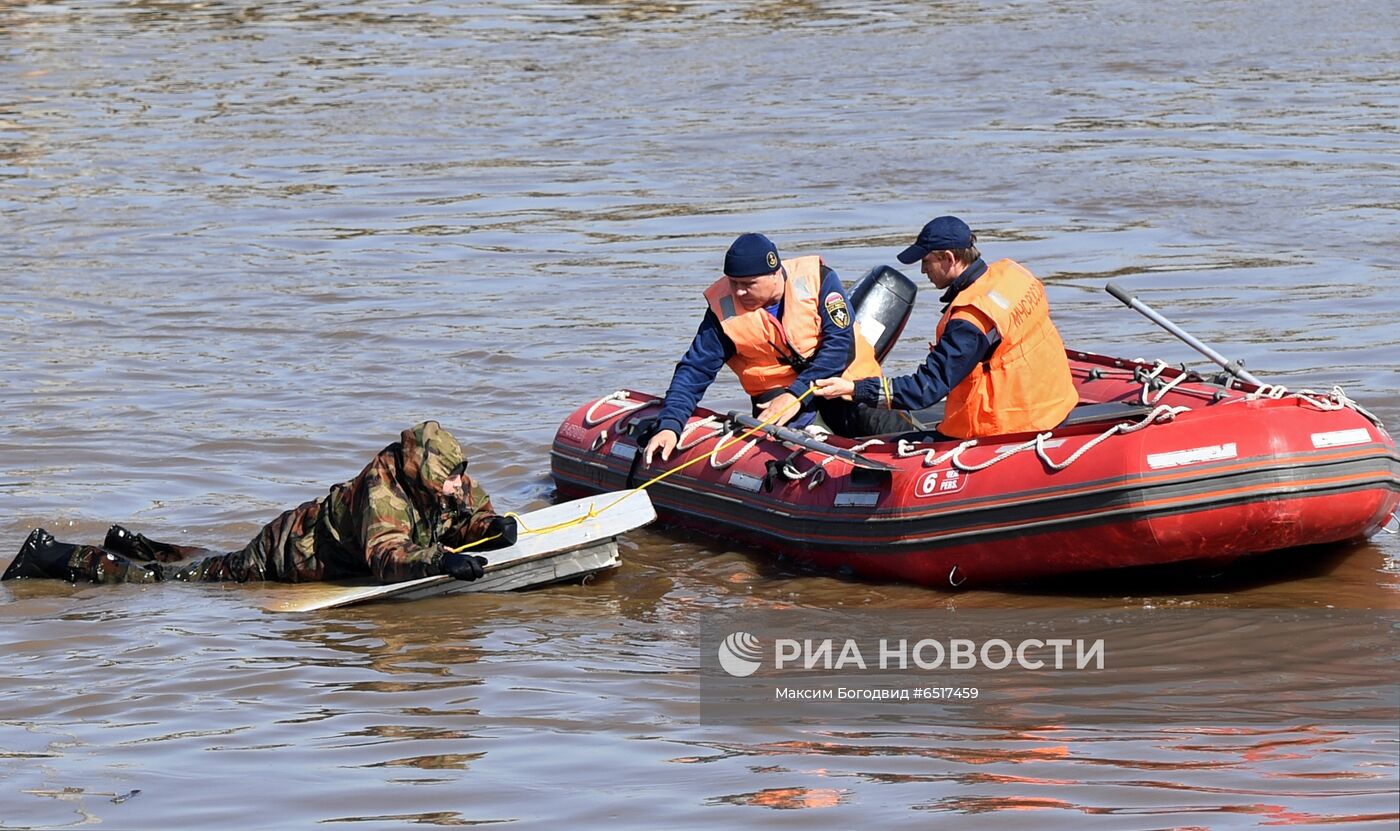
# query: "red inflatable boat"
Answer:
x=1157 y=465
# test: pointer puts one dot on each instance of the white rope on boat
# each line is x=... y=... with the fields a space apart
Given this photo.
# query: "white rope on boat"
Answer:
x=1337 y=400
x=1327 y=402
x=1147 y=383
x=708 y=422
x=1004 y=453
x=792 y=473
x=1161 y=415
x=590 y=418
x=719 y=442
x=1271 y=391
x=906 y=449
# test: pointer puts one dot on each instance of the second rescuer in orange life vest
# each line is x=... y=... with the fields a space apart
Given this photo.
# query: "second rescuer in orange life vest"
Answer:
x=998 y=358
x=780 y=325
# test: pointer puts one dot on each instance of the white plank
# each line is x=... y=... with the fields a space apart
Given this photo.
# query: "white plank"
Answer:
x=522 y=575
x=542 y=554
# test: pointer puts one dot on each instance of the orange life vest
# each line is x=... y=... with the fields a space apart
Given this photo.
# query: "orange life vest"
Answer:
x=762 y=343
x=1025 y=386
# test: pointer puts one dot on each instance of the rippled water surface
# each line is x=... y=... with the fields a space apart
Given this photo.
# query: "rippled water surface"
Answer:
x=246 y=243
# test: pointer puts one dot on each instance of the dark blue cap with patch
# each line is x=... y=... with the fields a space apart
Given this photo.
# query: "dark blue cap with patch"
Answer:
x=751 y=255
x=942 y=234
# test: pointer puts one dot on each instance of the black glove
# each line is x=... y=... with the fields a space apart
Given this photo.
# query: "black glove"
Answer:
x=463 y=566
x=505 y=531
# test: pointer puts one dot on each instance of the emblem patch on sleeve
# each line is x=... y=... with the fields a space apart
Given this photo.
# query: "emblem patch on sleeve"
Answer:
x=836 y=310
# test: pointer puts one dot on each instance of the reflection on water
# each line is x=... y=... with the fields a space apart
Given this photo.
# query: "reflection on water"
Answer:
x=786 y=798
x=246 y=244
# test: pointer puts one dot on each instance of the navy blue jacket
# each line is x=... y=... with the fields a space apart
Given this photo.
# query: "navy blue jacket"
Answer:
x=951 y=360
x=711 y=348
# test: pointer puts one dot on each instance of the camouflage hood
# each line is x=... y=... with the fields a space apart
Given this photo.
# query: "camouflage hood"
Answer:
x=428 y=455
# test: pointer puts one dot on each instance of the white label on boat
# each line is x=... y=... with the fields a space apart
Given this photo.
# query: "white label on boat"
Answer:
x=1050 y=443
x=939 y=482
x=622 y=450
x=1195 y=455
x=857 y=498
x=745 y=481
x=1341 y=438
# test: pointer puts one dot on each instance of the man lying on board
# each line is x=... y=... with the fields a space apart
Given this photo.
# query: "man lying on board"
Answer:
x=395 y=521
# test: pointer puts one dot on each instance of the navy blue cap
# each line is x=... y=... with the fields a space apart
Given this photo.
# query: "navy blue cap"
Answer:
x=751 y=255
x=942 y=234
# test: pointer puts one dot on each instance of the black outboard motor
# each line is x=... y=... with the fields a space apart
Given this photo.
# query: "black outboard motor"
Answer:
x=883 y=300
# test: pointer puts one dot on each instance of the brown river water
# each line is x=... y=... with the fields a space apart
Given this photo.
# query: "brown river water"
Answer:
x=246 y=243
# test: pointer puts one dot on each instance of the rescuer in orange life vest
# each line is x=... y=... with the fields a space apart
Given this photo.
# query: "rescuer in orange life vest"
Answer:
x=780 y=325
x=999 y=360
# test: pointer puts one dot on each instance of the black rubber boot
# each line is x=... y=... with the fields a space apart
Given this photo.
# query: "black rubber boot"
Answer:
x=42 y=556
x=142 y=548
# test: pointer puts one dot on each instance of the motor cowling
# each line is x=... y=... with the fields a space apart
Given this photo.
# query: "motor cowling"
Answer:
x=882 y=301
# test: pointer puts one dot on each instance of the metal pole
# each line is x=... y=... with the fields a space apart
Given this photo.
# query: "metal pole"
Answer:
x=806 y=441
x=1235 y=368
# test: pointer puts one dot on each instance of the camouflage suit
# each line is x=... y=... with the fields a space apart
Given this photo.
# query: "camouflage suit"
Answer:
x=391 y=521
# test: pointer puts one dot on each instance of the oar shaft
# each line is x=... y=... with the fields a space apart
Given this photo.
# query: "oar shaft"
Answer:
x=1232 y=367
x=803 y=440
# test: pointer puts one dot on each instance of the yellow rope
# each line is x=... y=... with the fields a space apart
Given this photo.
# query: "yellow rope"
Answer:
x=593 y=511
x=459 y=549
x=521 y=525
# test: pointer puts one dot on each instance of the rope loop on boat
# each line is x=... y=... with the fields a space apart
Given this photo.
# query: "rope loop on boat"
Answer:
x=590 y=418
x=1004 y=453
x=1327 y=402
x=1271 y=391
x=708 y=422
x=1161 y=415
x=1337 y=399
x=791 y=473
x=725 y=439
x=1146 y=379
x=1166 y=388
x=951 y=581
x=906 y=449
